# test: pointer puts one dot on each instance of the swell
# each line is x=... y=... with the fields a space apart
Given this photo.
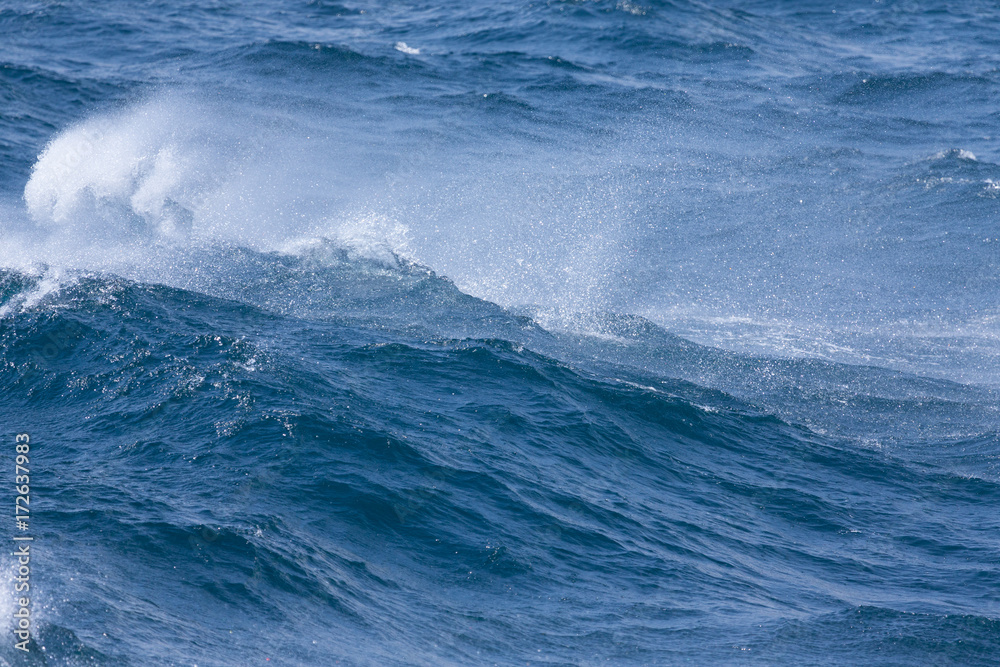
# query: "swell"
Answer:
x=430 y=469
x=340 y=358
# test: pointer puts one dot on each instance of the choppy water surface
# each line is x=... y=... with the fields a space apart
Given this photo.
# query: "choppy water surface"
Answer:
x=553 y=333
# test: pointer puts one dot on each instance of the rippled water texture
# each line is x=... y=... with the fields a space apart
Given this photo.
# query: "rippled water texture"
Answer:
x=551 y=333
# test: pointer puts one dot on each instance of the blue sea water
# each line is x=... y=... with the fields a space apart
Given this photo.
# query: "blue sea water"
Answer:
x=503 y=333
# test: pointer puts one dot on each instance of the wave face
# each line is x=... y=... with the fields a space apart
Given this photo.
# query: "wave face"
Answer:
x=559 y=333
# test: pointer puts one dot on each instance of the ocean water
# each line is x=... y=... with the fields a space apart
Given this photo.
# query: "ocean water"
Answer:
x=502 y=333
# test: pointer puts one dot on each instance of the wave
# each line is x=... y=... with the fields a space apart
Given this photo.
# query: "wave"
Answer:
x=624 y=332
x=302 y=453
x=131 y=187
x=876 y=89
x=391 y=295
x=146 y=173
x=165 y=191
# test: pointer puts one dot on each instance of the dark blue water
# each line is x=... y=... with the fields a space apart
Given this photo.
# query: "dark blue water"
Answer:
x=548 y=333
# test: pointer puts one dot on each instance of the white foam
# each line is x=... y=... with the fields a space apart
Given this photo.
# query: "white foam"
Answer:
x=364 y=235
x=50 y=282
x=409 y=50
x=374 y=236
x=960 y=153
x=130 y=191
x=631 y=8
x=139 y=173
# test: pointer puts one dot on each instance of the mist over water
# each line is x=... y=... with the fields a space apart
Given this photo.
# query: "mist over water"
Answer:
x=710 y=245
x=571 y=332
